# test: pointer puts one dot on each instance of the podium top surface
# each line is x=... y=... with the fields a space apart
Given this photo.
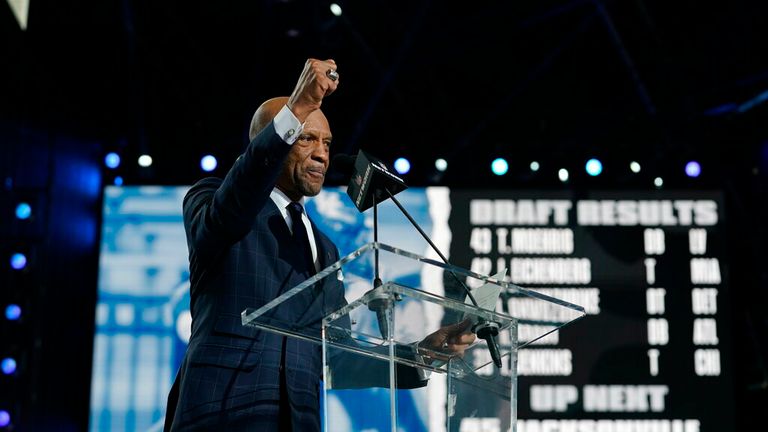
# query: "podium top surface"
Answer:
x=339 y=304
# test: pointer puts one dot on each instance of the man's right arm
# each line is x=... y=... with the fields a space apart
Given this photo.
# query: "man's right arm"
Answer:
x=219 y=213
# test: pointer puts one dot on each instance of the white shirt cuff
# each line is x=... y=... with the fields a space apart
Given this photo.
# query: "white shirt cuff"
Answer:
x=287 y=125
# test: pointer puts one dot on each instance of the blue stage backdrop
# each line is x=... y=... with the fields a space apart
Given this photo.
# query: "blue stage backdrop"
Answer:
x=142 y=316
x=653 y=352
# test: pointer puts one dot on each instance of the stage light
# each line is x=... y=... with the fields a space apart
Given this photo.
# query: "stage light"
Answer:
x=499 y=166
x=535 y=166
x=692 y=169
x=145 y=160
x=112 y=160
x=335 y=9
x=8 y=366
x=658 y=182
x=634 y=166
x=594 y=167
x=208 y=163
x=5 y=418
x=402 y=165
x=23 y=210
x=18 y=261
x=12 y=312
x=20 y=10
x=563 y=175
x=118 y=181
x=441 y=164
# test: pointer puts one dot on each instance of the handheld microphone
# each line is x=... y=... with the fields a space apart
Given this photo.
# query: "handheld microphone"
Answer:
x=488 y=330
x=380 y=303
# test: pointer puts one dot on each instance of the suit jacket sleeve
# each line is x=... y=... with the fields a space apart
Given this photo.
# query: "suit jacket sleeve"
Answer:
x=352 y=371
x=217 y=214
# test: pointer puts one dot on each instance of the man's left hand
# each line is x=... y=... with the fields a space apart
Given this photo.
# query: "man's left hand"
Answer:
x=451 y=340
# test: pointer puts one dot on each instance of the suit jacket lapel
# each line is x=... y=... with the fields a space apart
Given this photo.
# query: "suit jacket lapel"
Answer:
x=270 y=211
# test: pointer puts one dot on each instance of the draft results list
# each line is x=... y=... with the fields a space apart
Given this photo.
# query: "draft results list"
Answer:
x=652 y=354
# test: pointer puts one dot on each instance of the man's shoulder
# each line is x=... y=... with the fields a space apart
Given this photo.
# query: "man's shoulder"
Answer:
x=203 y=185
x=207 y=183
x=200 y=190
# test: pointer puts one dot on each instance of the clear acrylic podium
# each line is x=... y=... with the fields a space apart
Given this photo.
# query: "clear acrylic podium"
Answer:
x=408 y=378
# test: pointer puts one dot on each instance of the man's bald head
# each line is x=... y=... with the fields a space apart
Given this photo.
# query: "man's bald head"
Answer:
x=264 y=114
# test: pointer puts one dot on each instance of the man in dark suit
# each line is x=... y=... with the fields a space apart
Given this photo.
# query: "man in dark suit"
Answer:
x=249 y=240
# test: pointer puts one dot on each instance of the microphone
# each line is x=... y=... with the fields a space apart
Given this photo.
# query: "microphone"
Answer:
x=372 y=182
x=381 y=303
x=488 y=331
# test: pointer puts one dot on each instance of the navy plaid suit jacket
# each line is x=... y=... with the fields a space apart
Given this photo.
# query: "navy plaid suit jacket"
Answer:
x=241 y=256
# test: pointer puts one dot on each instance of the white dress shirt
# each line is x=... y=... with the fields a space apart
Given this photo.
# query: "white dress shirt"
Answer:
x=281 y=200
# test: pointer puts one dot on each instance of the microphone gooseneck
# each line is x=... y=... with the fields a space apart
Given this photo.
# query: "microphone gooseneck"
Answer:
x=486 y=330
x=370 y=183
x=381 y=302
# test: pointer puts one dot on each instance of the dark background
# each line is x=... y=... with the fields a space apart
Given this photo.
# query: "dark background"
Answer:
x=655 y=81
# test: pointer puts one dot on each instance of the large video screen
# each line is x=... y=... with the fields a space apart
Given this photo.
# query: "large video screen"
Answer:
x=652 y=354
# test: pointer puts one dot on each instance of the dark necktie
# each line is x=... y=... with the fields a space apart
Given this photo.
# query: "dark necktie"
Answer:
x=300 y=235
